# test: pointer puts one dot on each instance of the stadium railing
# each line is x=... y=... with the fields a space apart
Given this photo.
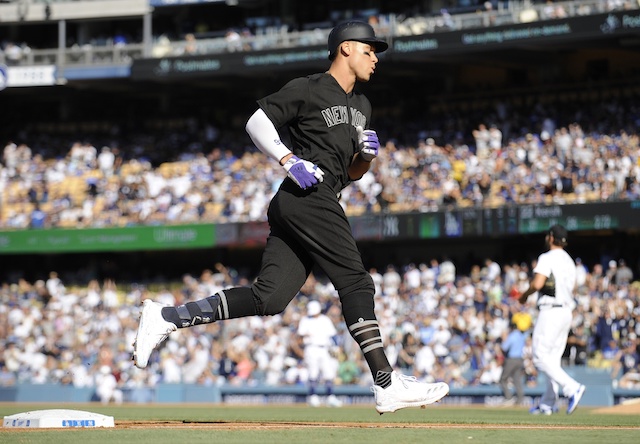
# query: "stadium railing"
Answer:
x=280 y=37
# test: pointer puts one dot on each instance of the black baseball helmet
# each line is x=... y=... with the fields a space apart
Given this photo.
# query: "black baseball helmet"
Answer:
x=560 y=234
x=357 y=31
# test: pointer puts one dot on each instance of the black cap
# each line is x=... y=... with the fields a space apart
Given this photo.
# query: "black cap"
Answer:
x=357 y=31
x=559 y=233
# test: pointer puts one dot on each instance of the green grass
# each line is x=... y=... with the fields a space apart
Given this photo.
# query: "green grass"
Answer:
x=301 y=424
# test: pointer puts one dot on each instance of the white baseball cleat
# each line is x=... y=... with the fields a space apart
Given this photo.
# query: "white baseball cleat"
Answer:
x=575 y=399
x=333 y=401
x=152 y=330
x=315 y=401
x=407 y=391
x=542 y=409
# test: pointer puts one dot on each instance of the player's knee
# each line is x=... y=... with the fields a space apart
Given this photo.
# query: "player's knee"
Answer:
x=357 y=306
x=363 y=284
x=270 y=305
x=270 y=301
x=273 y=309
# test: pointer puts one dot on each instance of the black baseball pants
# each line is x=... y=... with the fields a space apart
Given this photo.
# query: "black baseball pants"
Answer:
x=308 y=227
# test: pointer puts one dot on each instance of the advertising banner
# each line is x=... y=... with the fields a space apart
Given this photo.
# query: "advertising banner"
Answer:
x=592 y=27
x=142 y=238
x=170 y=68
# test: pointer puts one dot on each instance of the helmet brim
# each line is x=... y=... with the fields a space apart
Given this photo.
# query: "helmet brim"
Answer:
x=378 y=44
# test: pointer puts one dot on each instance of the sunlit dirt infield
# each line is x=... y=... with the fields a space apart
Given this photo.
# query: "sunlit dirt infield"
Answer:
x=222 y=425
x=631 y=409
x=628 y=408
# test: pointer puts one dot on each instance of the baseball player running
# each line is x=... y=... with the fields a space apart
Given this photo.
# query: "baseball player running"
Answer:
x=331 y=146
x=555 y=281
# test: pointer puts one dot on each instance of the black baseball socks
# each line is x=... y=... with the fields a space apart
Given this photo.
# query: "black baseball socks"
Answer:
x=359 y=315
x=226 y=304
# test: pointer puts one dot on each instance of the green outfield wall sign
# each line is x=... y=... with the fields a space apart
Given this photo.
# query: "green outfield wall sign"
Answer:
x=139 y=238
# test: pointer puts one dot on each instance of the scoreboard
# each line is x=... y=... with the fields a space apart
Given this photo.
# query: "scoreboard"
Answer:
x=498 y=222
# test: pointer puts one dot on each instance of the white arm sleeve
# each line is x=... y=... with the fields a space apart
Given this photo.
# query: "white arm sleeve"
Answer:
x=265 y=136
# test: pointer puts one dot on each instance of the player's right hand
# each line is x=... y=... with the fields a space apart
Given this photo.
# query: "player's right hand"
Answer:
x=304 y=173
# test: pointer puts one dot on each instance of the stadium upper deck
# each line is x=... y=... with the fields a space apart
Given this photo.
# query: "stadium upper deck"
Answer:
x=76 y=33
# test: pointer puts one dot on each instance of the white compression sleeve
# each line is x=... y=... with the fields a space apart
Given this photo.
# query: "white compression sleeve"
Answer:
x=265 y=135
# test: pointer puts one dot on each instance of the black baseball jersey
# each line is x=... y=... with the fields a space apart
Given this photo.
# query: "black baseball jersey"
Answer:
x=321 y=119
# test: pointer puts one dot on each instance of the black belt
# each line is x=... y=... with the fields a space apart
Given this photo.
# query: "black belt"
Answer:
x=549 y=306
x=332 y=181
x=328 y=180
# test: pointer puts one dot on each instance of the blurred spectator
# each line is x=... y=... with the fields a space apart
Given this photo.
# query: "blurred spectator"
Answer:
x=120 y=39
x=107 y=387
x=161 y=47
x=492 y=270
x=38 y=218
x=318 y=335
x=106 y=161
x=513 y=370
x=407 y=354
x=626 y=367
x=247 y=39
x=10 y=157
x=495 y=140
x=14 y=53
x=611 y=272
x=581 y=273
x=234 y=41
x=577 y=347
x=190 y=45
x=605 y=329
x=348 y=370
x=482 y=137
x=624 y=274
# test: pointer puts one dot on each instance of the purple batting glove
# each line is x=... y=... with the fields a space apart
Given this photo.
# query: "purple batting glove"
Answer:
x=304 y=173
x=369 y=144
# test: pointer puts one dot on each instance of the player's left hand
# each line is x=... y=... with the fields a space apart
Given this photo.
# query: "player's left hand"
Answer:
x=369 y=143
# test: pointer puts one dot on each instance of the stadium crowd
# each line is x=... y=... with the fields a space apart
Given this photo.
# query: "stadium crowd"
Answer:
x=438 y=324
x=91 y=187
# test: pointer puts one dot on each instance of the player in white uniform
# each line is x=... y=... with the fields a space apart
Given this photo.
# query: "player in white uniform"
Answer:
x=555 y=281
x=318 y=333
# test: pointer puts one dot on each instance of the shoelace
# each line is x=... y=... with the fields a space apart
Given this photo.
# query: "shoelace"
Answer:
x=166 y=335
x=404 y=379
